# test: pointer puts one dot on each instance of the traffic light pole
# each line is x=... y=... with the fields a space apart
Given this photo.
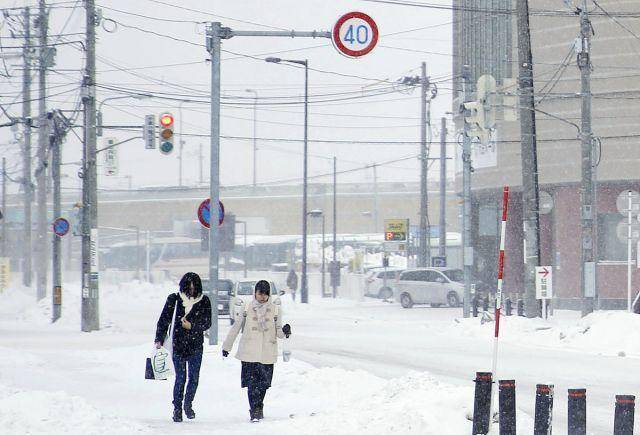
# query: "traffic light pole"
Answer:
x=26 y=173
x=215 y=33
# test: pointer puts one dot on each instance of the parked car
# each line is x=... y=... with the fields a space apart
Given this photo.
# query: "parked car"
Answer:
x=434 y=285
x=242 y=295
x=225 y=287
x=374 y=282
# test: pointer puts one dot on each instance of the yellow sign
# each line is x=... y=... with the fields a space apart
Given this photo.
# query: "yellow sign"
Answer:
x=396 y=230
x=5 y=273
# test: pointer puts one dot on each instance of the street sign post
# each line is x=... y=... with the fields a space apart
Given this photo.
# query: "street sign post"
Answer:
x=355 y=34
x=149 y=132
x=204 y=213
x=396 y=234
x=544 y=286
x=5 y=273
x=110 y=157
x=61 y=227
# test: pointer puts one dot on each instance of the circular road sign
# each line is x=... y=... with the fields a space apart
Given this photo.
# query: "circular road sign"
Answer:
x=355 y=34
x=204 y=213
x=61 y=227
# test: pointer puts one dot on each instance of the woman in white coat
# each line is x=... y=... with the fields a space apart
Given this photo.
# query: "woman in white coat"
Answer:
x=261 y=326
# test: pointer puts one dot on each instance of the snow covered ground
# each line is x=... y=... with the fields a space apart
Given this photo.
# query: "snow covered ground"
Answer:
x=358 y=367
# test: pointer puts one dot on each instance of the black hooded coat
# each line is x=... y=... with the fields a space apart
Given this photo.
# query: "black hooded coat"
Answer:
x=186 y=342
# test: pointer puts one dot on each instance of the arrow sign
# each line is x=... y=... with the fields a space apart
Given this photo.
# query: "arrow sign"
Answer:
x=204 y=213
x=544 y=272
x=544 y=282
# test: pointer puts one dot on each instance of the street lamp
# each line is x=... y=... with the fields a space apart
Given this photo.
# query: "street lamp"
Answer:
x=304 y=293
x=99 y=111
x=315 y=214
x=255 y=121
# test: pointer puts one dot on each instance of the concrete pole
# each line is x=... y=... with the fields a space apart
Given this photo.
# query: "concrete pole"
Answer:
x=41 y=173
x=27 y=247
x=376 y=214
x=138 y=277
x=181 y=147
x=255 y=133
x=422 y=252
x=467 y=253
x=304 y=290
x=335 y=225
x=442 y=251
x=3 y=248
x=200 y=164
x=148 y=252
x=629 y=218
x=529 y=158
x=589 y=208
x=90 y=270
x=323 y=260
x=56 y=296
x=214 y=46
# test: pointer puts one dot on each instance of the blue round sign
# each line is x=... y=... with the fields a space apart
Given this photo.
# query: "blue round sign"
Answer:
x=61 y=227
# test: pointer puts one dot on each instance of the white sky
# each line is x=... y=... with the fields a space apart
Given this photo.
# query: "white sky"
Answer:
x=393 y=116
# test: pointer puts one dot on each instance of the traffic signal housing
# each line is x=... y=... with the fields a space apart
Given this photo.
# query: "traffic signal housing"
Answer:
x=474 y=118
x=166 y=132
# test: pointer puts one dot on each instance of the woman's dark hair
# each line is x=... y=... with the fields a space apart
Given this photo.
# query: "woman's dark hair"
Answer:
x=188 y=279
x=263 y=287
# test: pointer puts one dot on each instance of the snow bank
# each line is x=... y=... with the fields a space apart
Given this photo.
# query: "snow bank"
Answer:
x=40 y=412
x=603 y=332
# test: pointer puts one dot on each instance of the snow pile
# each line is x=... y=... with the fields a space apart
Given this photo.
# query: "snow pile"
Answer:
x=603 y=332
x=39 y=412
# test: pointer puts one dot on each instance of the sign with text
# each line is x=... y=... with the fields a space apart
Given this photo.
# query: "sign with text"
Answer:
x=396 y=230
x=544 y=282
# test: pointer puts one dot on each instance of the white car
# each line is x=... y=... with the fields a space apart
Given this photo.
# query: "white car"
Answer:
x=433 y=285
x=242 y=295
x=374 y=282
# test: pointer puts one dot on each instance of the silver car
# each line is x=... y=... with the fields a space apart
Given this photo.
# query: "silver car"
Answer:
x=433 y=285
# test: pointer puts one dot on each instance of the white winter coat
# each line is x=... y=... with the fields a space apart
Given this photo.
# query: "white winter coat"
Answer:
x=256 y=345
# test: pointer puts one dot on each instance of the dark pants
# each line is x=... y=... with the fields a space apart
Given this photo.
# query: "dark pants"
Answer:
x=256 y=377
x=180 y=364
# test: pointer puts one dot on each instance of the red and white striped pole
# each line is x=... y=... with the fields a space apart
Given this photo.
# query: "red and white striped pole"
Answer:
x=503 y=233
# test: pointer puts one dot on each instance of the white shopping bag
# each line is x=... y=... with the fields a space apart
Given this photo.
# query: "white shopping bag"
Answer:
x=161 y=364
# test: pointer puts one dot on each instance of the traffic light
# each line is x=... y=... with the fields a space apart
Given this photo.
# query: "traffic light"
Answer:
x=166 y=133
x=474 y=118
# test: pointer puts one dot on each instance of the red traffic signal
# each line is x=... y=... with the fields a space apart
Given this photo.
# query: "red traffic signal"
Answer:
x=166 y=133
x=166 y=120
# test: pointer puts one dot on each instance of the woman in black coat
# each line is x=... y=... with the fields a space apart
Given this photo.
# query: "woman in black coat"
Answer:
x=192 y=318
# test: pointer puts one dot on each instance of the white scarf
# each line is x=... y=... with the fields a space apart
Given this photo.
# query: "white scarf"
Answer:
x=188 y=302
x=261 y=311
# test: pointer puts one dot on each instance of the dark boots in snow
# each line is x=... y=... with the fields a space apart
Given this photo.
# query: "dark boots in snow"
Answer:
x=177 y=415
x=189 y=412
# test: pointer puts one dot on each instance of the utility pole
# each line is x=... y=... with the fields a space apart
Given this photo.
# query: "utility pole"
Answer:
x=26 y=156
x=90 y=270
x=214 y=47
x=442 y=251
x=3 y=250
x=375 y=198
x=200 y=164
x=255 y=133
x=588 y=281
x=423 y=251
x=335 y=225
x=467 y=253
x=41 y=173
x=529 y=158
x=57 y=132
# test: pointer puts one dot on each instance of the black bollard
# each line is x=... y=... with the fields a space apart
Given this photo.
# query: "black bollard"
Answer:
x=485 y=304
x=577 y=412
x=507 y=407
x=482 y=403
x=544 y=410
x=474 y=306
x=508 y=306
x=520 y=307
x=625 y=409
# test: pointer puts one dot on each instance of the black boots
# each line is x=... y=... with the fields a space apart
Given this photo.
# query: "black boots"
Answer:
x=177 y=415
x=259 y=413
x=189 y=412
x=256 y=414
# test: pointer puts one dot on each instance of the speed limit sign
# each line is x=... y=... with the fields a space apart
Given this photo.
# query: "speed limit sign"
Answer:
x=355 y=34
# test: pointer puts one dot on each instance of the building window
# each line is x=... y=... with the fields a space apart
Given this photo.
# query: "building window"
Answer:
x=610 y=247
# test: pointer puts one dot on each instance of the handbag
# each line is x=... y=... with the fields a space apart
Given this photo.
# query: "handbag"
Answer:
x=160 y=365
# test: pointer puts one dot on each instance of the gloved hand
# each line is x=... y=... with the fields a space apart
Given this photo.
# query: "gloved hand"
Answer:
x=287 y=330
x=225 y=353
